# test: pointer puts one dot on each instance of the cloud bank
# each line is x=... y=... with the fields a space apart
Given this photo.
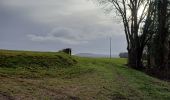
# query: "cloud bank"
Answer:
x=70 y=22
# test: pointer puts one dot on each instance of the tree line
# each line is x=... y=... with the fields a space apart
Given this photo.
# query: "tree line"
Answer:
x=147 y=29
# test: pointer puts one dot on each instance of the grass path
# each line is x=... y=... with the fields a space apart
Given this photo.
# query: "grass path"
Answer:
x=90 y=79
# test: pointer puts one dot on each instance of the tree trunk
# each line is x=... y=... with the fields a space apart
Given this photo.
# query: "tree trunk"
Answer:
x=162 y=34
x=135 y=58
x=131 y=59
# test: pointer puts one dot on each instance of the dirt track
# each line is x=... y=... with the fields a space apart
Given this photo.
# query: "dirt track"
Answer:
x=4 y=96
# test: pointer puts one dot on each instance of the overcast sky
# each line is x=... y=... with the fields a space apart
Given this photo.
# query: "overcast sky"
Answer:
x=51 y=25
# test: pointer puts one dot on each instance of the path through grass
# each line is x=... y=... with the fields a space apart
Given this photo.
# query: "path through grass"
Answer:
x=89 y=79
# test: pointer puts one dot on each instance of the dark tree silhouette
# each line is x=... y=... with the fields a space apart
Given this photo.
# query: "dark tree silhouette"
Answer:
x=159 y=45
x=134 y=14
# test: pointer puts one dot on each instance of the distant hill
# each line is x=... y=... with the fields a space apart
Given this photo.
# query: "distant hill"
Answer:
x=94 y=55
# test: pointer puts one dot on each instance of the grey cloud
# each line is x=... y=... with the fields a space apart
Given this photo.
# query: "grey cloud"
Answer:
x=64 y=35
x=67 y=23
x=81 y=27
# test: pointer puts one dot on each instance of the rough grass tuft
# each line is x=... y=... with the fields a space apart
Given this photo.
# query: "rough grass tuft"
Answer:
x=32 y=60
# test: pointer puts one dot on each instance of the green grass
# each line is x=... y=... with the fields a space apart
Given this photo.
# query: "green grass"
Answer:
x=87 y=79
x=32 y=60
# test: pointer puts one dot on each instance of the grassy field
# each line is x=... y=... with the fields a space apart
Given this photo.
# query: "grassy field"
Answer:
x=57 y=76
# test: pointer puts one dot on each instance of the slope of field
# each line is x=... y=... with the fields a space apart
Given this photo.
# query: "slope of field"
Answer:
x=88 y=79
x=25 y=59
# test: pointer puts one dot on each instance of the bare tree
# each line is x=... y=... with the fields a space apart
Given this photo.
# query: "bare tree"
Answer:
x=134 y=15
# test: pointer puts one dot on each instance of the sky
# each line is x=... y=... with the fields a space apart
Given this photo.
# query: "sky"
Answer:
x=52 y=25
